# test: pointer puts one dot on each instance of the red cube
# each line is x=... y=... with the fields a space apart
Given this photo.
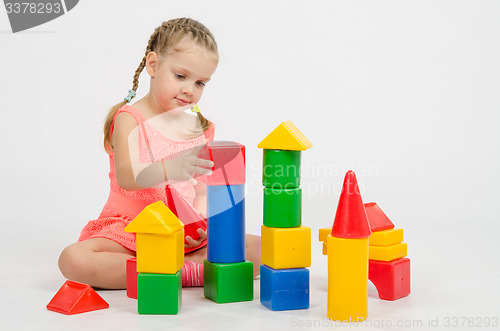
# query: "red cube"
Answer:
x=132 y=278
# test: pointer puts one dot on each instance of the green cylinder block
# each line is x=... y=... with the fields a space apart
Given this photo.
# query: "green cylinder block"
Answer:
x=282 y=207
x=281 y=169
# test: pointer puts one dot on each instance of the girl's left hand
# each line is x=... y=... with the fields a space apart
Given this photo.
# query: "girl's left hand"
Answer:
x=195 y=243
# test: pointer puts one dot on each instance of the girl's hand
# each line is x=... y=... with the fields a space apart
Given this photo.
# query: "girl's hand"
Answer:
x=188 y=165
x=195 y=243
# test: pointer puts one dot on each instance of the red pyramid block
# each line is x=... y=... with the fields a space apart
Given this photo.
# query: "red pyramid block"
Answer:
x=75 y=298
x=376 y=218
x=350 y=220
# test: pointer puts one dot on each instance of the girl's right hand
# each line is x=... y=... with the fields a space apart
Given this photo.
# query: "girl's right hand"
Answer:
x=188 y=165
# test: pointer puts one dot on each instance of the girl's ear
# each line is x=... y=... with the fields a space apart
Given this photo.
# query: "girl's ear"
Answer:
x=152 y=64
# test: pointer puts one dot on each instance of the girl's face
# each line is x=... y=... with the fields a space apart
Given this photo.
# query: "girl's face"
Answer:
x=178 y=79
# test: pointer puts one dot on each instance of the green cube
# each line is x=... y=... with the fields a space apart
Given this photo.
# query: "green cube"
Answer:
x=228 y=282
x=282 y=207
x=281 y=169
x=159 y=293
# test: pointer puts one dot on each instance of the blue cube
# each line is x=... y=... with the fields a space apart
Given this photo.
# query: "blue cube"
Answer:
x=284 y=289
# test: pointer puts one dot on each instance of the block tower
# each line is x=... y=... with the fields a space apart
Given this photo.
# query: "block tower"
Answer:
x=228 y=277
x=348 y=256
x=160 y=257
x=285 y=243
x=388 y=267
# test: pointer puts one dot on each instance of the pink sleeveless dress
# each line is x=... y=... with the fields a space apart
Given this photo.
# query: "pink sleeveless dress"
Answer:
x=123 y=206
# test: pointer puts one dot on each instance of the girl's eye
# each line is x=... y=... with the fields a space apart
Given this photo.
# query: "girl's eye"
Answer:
x=180 y=76
x=200 y=83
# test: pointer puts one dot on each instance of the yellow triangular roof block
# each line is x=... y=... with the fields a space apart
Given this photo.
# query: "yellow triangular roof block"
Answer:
x=287 y=137
x=155 y=218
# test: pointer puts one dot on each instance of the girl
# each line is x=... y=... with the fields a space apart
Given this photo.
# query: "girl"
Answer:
x=151 y=144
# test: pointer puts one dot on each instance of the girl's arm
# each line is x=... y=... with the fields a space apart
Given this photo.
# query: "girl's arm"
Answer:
x=125 y=126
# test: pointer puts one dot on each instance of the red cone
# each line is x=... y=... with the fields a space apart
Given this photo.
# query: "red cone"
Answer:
x=350 y=220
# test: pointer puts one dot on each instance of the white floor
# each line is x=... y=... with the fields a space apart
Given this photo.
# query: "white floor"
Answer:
x=455 y=283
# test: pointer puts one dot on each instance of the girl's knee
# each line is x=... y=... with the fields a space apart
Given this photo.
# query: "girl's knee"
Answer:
x=72 y=262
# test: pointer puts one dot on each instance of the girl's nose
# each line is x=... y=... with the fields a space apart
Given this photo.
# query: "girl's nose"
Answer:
x=187 y=89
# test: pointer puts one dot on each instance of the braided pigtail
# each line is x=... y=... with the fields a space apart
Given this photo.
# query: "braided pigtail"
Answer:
x=108 y=146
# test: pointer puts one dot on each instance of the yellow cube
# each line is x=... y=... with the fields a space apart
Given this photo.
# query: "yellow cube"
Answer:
x=324 y=232
x=284 y=248
x=159 y=253
x=386 y=237
x=325 y=248
x=388 y=253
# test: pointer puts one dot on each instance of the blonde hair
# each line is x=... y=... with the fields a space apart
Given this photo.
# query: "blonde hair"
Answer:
x=164 y=38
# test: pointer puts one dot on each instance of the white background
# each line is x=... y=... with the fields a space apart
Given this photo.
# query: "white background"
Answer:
x=405 y=93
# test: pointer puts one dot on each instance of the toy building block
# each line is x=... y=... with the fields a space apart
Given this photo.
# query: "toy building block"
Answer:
x=388 y=253
x=188 y=215
x=282 y=207
x=376 y=218
x=348 y=256
x=155 y=218
x=323 y=233
x=75 y=298
x=220 y=198
x=281 y=169
x=159 y=293
x=392 y=279
x=226 y=223
x=283 y=248
x=325 y=248
x=160 y=240
x=228 y=282
x=347 y=279
x=229 y=163
x=161 y=254
x=132 y=278
x=284 y=289
x=286 y=137
x=350 y=219
x=386 y=237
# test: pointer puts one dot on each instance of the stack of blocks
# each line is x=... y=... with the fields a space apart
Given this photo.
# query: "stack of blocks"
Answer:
x=389 y=269
x=228 y=277
x=285 y=243
x=348 y=256
x=160 y=257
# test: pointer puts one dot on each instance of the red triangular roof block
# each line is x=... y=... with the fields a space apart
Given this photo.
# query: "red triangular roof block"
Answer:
x=189 y=216
x=376 y=218
x=350 y=220
x=74 y=298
